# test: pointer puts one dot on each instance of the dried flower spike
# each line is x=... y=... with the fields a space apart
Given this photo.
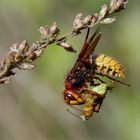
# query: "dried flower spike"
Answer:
x=21 y=55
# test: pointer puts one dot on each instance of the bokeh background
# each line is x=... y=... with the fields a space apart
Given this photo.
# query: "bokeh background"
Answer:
x=32 y=106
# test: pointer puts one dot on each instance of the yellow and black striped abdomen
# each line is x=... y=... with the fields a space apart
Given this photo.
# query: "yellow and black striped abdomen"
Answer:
x=108 y=66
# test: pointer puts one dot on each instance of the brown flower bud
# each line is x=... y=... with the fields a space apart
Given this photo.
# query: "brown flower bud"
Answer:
x=14 y=53
x=66 y=46
x=30 y=54
x=94 y=19
x=104 y=12
x=78 y=22
x=118 y=5
x=25 y=66
x=108 y=20
x=4 y=80
x=23 y=46
x=14 y=48
x=38 y=52
x=32 y=48
x=87 y=20
x=22 y=50
x=54 y=31
x=44 y=32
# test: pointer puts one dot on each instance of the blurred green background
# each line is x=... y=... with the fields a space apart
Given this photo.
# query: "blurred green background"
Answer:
x=32 y=106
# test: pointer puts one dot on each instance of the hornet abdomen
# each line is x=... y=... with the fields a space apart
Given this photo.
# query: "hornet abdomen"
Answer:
x=108 y=66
